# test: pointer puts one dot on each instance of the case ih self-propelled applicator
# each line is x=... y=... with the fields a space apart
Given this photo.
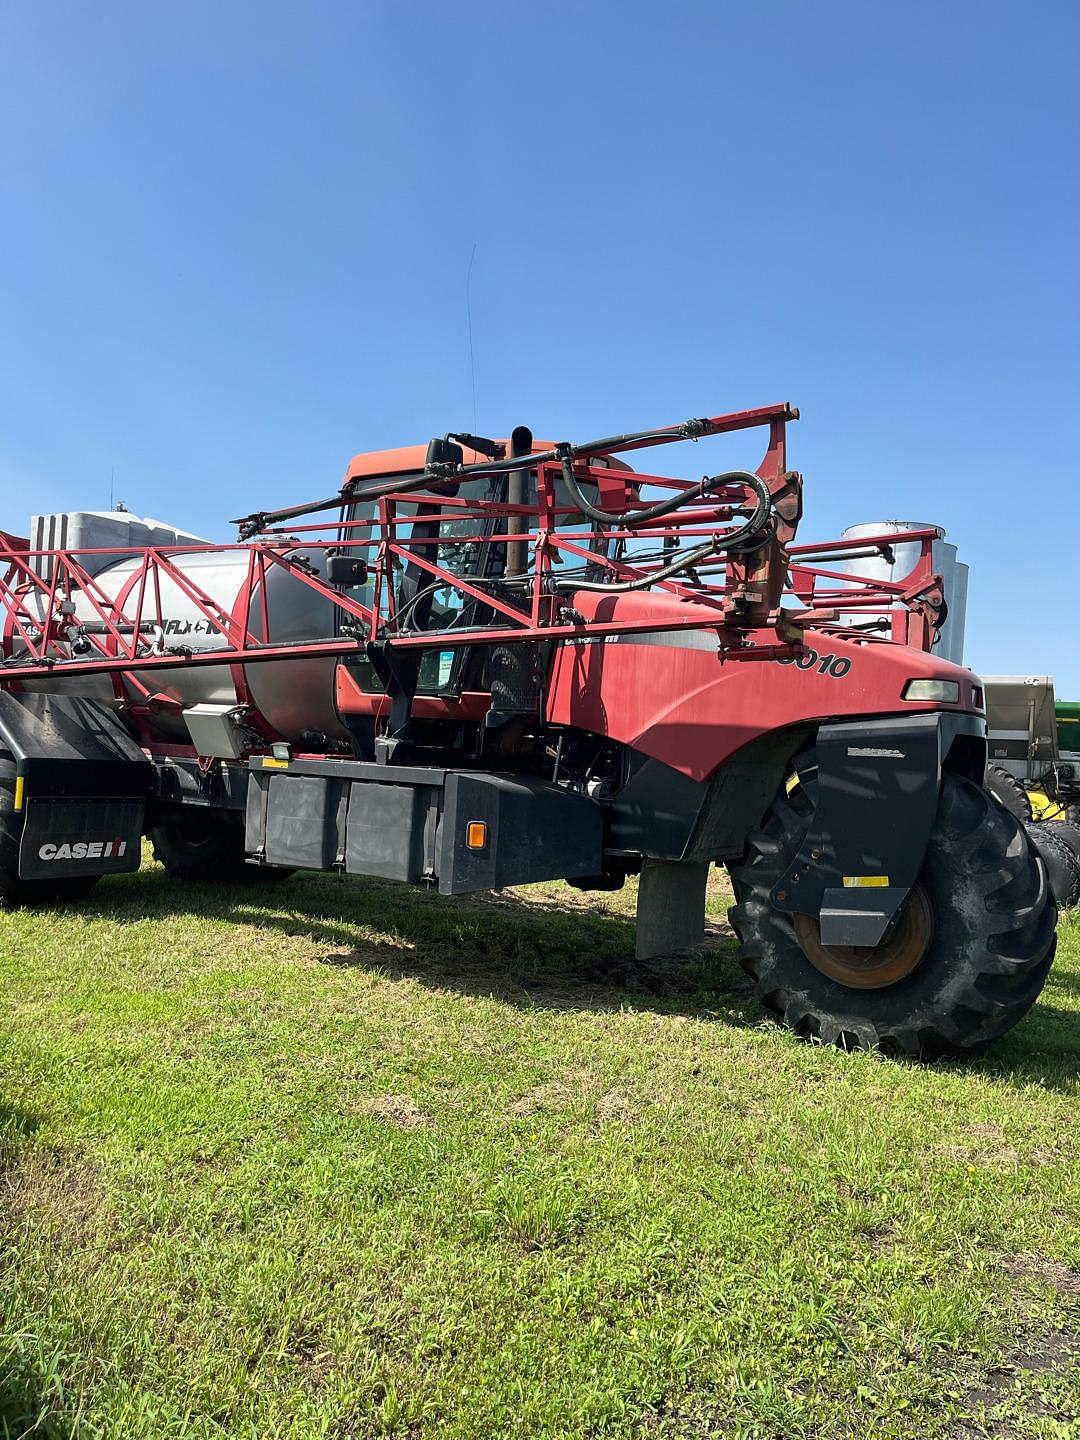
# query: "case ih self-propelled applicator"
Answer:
x=484 y=663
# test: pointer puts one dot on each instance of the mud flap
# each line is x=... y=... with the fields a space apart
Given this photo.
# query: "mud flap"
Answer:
x=65 y=838
x=80 y=785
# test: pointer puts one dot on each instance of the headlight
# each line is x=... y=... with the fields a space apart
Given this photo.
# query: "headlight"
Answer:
x=947 y=691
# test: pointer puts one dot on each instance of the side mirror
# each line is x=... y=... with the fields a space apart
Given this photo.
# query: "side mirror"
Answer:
x=444 y=452
x=345 y=571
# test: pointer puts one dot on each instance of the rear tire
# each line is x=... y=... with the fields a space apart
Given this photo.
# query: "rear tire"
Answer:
x=16 y=892
x=991 y=946
x=1007 y=790
x=203 y=846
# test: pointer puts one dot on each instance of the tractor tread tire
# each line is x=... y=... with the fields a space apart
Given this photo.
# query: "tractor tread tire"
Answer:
x=1008 y=791
x=993 y=943
x=15 y=892
x=1058 y=846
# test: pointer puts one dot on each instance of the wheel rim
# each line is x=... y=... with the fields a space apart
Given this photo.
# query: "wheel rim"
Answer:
x=872 y=967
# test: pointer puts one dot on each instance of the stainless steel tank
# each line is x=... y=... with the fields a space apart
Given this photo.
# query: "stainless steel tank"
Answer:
x=953 y=572
x=292 y=695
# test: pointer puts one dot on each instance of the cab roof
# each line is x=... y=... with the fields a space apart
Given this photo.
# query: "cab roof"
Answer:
x=409 y=459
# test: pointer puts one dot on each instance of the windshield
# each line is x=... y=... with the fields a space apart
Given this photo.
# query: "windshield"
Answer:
x=460 y=549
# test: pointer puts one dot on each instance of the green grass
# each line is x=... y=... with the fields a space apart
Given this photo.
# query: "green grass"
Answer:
x=330 y=1159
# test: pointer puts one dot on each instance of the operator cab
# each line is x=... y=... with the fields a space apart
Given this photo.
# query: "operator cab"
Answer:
x=458 y=543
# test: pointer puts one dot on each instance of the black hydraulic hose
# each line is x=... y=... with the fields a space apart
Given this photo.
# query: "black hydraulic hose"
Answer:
x=379 y=485
x=689 y=430
x=707 y=486
x=687 y=561
x=568 y=583
x=436 y=585
x=250 y=525
x=666 y=572
x=400 y=616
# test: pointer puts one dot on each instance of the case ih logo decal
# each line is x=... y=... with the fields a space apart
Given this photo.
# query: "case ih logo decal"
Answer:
x=834 y=666
x=84 y=850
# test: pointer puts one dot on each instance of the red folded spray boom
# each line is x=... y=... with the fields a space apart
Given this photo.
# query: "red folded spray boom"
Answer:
x=70 y=623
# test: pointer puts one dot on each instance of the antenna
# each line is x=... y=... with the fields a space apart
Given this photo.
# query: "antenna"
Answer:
x=112 y=487
x=468 y=325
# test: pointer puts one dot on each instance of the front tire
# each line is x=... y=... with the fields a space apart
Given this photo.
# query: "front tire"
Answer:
x=986 y=954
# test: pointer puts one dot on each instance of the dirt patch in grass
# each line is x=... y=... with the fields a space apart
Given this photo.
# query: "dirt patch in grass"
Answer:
x=1011 y=1387
x=1058 y=1151
x=553 y=1095
x=884 y=1239
x=54 y=1192
x=399 y=1110
x=1011 y=1394
x=985 y=1155
x=1046 y=1272
x=986 y=1145
x=614 y=1108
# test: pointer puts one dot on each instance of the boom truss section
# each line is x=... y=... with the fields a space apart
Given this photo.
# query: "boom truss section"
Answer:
x=723 y=545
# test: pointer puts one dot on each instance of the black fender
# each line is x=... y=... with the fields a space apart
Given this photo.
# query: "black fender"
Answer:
x=878 y=784
x=79 y=786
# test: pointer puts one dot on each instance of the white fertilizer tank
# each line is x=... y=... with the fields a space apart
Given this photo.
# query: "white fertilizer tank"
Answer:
x=954 y=574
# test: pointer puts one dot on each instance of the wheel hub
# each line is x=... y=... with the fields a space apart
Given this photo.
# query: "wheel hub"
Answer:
x=872 y=967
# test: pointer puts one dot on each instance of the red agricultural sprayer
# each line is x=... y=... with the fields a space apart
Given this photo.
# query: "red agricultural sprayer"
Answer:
x=490 y=662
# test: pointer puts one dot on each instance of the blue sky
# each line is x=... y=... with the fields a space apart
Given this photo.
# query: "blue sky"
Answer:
x=236 y=240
